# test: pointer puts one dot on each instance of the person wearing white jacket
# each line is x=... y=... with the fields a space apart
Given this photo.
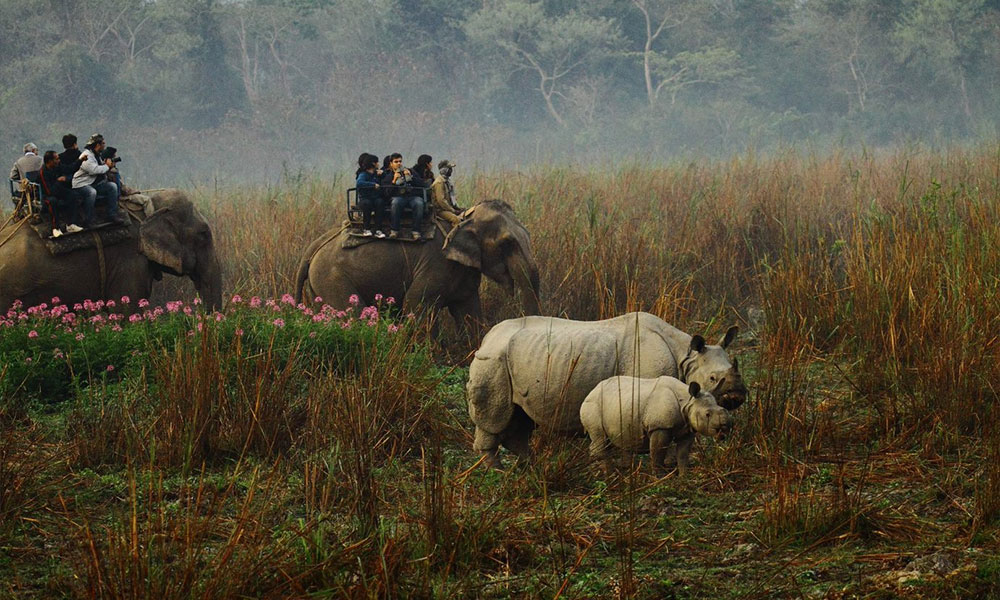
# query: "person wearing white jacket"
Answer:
x=89 y=183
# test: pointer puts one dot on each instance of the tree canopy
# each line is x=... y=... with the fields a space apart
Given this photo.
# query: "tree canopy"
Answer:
x=194 y=87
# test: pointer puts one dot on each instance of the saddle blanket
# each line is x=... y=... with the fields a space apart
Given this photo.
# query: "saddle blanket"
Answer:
x=71 y=242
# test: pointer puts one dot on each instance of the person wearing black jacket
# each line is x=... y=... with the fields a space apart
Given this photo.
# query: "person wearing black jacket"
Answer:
x=423 y=168
x=56 y=190
x=70 y=158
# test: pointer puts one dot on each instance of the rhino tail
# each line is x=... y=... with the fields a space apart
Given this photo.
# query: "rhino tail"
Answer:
x=490 y=393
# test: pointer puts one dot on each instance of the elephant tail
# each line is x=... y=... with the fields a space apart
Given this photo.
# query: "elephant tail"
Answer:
x=303 y=291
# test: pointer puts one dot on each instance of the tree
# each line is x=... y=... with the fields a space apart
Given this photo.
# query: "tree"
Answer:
x=552 y=47
x=711 y=63
x=948 y=38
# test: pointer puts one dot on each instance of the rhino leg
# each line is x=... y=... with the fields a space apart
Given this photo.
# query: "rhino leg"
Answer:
x=659 y=449
x=517 y=435
x=684 y=453
x=487 y=444
x=600 y=449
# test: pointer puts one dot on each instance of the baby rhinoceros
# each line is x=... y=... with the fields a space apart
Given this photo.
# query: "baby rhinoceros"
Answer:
x=631 y=412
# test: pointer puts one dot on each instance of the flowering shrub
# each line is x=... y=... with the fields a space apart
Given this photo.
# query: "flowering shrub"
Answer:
x=51 y=348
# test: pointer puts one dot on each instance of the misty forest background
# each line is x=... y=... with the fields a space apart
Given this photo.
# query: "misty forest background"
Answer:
x=195 y=90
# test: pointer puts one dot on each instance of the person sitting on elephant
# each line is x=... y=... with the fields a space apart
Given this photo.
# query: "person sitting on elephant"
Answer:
x=423 y=168
x=29 y=163
x=369 y=199
x=70 y=157
x=88 y=187
x=56 y=191
x=400 y=182
x=442 y=195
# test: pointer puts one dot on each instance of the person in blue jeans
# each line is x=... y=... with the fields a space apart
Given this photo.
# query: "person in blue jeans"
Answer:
x=90 y=183
x=402 y=182
x=369 y=198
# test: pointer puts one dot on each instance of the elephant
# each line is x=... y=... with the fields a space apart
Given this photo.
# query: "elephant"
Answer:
x=431 y=275
x=537 y=371
x=174 y=239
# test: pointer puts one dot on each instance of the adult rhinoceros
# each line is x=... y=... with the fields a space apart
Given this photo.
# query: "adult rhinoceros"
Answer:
x=536 y=371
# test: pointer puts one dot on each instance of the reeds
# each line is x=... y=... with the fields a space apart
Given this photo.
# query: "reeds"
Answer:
x=867 y=286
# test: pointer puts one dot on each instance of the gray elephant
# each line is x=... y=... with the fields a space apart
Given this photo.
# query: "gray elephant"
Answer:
x=175 y=239
x=632 y=413
x=536 y=371
x=432 y=275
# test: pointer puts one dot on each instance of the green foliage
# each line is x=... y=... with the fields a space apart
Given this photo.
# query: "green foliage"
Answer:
x=53 y=350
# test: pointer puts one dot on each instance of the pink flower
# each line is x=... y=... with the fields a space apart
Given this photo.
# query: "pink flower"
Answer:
x=199 y=326
x=134 y=318
x=288 y=299
x=279 y=322
x=116 y=328
x=57 y=354
x=390 y=300
x=196 y=301
x=317 y=318
x=219 y=317
x=239 y=332
x=126 y=300
x=32 y=334
x=143 y=303
x=56 y=300
x=393 y=328
x=187 y=310
x=110 y=368
x=174 y=306
x=236 y=299
x=318 y=299
x=378 y=297
x=255 y=302
x=312 y=334
x=353 y=300
x=79 y=337
x=28 y=360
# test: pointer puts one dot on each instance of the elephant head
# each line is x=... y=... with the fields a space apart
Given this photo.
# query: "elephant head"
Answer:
x=492 y=240
x=178 y=239
x=710 y=366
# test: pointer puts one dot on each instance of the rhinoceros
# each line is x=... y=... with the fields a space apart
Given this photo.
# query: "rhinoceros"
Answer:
x=632 y=413
x=536 y=371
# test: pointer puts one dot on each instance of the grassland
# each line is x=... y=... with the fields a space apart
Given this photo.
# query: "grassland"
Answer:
x=866 y=462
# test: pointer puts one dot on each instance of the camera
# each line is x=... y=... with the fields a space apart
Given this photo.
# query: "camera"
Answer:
x=111 y=153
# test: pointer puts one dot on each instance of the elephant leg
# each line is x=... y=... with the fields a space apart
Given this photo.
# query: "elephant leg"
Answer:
x=488 y=445
x=517 y=436
x=468 y=317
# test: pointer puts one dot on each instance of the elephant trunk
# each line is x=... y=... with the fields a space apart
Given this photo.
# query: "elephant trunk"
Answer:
x=208 y=281
x=525 y=274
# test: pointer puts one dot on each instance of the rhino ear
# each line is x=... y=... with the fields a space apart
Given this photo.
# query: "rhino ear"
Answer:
x=736 y=365
x=730 y=336
x=698 y=343
x=694 y=389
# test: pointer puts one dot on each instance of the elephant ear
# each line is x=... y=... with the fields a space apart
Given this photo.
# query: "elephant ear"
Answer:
x=158 y=241
x=464 y=247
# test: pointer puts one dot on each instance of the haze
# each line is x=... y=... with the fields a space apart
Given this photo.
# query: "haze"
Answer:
x=214 y=91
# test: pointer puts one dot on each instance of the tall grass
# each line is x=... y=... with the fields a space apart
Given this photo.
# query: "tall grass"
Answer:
x=340 y=465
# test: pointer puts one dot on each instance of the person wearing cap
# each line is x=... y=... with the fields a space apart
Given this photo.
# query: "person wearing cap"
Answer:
x=29 y=163
x=443 y=193
x=90 y=183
